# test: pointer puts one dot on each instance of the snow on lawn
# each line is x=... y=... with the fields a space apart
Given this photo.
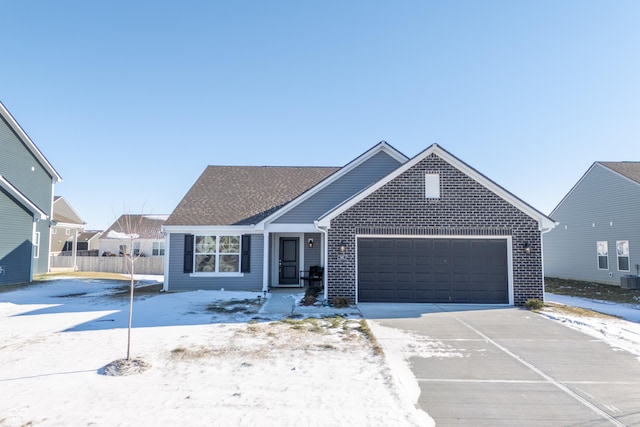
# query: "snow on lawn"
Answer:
x=216 y=359
x=618 y=332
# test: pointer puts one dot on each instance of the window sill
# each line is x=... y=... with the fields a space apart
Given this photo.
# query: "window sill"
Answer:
x=216 y=275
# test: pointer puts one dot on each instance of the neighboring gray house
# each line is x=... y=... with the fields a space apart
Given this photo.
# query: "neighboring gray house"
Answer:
x=598 y=236
x=65 y=227
x=27 y=181
x=384 y=228
x=149 y=240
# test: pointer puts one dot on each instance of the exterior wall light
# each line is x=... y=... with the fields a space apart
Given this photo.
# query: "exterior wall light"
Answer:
x=310 y=243
x=527 y=247
x=343 y=246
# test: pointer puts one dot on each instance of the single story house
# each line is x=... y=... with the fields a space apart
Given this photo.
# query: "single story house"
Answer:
x=146 y=230
x=384 y=227
x=598 y=236
x=27 y=182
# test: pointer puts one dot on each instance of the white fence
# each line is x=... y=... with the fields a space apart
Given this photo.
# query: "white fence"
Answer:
x=142 y=265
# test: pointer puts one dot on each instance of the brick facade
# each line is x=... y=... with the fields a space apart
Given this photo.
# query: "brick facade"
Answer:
x=465 y=208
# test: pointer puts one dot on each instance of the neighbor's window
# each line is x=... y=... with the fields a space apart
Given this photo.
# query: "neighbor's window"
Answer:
x=217 y=254
x=603 y=256
x=136 y=248
x=67 y=231
x=622 y=250
x=432 y=185
x=36 y=245
x=157 y=249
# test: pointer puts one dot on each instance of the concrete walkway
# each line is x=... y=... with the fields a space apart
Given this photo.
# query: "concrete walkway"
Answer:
x=286 y=301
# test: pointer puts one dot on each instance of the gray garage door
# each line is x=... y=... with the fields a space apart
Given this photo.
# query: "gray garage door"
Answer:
x=433 y=270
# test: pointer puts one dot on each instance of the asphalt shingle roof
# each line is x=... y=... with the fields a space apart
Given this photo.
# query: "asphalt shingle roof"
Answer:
x=629 y=169
x=243 y=195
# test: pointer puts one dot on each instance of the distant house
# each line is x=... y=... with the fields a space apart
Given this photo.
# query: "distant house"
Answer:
x=384 y=228
x=65 y=227
x=148 y=240
x=598 y=236
x=89 y=240
x=27 y=182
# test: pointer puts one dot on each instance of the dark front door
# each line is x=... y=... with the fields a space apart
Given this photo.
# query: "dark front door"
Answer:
x=288 y=265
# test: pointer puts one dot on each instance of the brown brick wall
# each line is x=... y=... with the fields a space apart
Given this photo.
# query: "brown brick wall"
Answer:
x=465 y=208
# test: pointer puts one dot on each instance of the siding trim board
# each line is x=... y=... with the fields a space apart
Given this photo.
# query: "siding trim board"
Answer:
x=445 y=232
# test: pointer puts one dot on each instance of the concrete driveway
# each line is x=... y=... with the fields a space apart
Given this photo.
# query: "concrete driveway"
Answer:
x=481 y=365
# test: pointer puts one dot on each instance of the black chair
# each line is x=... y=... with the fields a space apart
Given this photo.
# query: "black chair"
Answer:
x=314 y=277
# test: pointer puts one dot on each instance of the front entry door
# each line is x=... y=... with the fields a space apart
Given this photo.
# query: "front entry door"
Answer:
x=288 y=265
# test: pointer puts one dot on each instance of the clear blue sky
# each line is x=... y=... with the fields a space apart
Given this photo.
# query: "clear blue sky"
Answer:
x=131 y=100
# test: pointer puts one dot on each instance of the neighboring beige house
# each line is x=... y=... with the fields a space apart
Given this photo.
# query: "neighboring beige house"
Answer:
x=65 y=227
x=148 y=236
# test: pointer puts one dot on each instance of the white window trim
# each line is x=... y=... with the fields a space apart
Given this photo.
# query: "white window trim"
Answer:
x=157 y=246
x=217 y=255
x=606 y=247
x=623 y=255
x=36 y=245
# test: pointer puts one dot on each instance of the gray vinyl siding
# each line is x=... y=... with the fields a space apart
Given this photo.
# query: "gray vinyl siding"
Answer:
x=603 y=206
x=20 y=167
x=15 y=242
x=312 y=256
x=179 y=281
x=337 y=192
x=16 y=161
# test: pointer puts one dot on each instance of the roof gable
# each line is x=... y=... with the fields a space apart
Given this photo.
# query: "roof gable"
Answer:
x=64 y=213
x=243 y=195
x=22 y=135
x=630 y=170
x=382 y=146
x=143 y=226
x=545 y=223
x=626 y=170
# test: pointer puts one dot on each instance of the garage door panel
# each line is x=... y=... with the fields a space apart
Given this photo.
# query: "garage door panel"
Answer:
x=432 y=270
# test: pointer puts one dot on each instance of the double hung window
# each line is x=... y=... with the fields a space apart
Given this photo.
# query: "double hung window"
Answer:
x=603 y=255
x=622 y=250
x=157 y=249
x=217 y=254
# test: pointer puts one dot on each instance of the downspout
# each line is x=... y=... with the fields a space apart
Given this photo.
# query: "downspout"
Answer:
x=325 y=257
x=542 y=232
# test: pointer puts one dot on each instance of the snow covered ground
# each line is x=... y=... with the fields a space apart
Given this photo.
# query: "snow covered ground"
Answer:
x=211 y=365
x=622 y=332
x=217 y=358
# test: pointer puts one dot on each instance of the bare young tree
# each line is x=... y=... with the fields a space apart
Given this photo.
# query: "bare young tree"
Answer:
x=131 y=228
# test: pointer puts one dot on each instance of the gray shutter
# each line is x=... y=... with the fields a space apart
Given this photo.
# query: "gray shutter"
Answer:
x=245 y=258
x=188 y=253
